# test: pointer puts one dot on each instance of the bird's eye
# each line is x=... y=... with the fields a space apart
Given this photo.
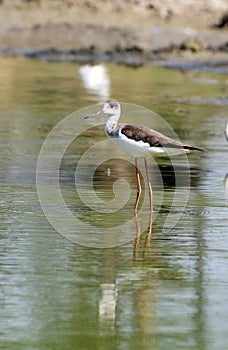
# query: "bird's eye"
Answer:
x=113 y=105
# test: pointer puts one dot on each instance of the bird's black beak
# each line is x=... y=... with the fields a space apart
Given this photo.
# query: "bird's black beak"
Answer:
x=93 y=115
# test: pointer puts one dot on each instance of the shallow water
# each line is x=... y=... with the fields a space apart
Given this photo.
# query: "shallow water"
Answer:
x=58 y=294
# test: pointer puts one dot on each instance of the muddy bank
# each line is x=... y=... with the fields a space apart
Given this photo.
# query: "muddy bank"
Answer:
x=128 y=32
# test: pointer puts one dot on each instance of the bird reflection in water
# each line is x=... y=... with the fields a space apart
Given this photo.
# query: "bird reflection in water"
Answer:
x=107 y=308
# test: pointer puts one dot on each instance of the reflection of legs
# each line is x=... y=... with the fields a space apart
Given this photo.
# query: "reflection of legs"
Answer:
x=139 y=188
x=151 y=199
x=137 y=238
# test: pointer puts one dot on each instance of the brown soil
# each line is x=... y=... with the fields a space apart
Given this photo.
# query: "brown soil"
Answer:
x=129 y=31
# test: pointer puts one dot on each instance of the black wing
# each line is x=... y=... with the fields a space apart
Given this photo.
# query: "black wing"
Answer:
x=152 y=137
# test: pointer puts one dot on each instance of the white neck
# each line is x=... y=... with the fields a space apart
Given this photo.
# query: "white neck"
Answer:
x=112 y=122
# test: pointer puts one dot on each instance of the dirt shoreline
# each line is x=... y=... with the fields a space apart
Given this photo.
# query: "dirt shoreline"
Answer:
x=128 y=32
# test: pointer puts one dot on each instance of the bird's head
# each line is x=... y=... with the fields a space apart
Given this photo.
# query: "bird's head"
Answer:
x=111 y=107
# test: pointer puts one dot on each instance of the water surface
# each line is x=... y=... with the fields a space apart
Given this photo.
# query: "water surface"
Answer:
x=56 y=294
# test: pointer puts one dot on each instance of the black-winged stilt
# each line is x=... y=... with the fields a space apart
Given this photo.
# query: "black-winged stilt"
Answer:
x=139 y=142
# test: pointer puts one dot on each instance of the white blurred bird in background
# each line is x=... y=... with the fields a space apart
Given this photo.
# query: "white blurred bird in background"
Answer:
x=96 y=80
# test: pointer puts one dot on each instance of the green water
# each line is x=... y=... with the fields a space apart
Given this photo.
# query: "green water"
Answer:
x=56 y=294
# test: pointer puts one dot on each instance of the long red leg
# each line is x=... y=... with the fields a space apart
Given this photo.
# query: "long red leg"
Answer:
x=151 y=199
x=139 y=188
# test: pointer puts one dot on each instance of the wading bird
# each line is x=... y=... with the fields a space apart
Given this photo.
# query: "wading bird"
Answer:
x=139 y=142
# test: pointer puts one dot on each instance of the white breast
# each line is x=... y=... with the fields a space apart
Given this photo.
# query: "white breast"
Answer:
x=136 y=148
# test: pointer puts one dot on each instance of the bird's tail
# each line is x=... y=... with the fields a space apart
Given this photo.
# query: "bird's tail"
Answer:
x=192 y=148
